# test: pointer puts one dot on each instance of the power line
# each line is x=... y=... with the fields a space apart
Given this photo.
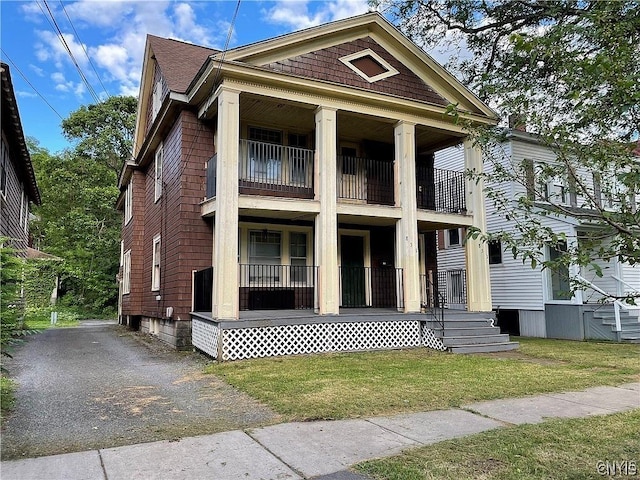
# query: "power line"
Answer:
x=215 y=80
x=90 y=89
x=84 y=49
x=30 y=84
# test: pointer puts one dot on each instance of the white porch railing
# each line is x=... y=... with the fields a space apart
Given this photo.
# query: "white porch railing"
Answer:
x=617 y=303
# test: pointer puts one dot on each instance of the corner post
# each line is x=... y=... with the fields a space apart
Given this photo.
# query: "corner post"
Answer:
x=477 y=255
x=407 y=256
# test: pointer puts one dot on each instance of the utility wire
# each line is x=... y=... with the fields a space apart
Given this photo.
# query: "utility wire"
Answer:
x=84 y=49
x=90 y=89
x=215 y=81
x=30 y=84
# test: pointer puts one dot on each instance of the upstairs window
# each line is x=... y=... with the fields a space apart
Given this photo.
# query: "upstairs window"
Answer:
x=453 y=237
x=495 y=252
x=4 y=162
x=128 y=205
x=157 y=98
x=369 y=65
x=158 y=174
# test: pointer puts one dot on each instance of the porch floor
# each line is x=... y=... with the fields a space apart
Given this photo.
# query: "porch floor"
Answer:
x=290 y=317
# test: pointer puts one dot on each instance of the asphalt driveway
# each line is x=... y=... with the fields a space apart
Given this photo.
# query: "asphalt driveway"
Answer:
x=100 y=385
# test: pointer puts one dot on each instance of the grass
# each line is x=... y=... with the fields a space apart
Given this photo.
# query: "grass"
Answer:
x=40 y=318
x=558 y=449
x=335 y=386
x=7 y=399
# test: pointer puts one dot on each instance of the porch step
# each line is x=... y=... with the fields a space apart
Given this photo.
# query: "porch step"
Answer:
x=462 y=323
x=475 y=340
x=485 y=348
x=468 y=331
x=471 y=333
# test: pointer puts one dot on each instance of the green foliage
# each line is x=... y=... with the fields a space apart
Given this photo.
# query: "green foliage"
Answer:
x=39 y=318
x=11 y=302
x=569 y=70
x=104 y=131
x=78 y=221
x=7 y=399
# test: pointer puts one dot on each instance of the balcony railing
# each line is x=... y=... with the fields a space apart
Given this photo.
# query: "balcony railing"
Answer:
x=202 y=290
x=277 y=287
x=369 y=181
x=378 y=287
x=441 y=190
x=269 y=169
x=444 y=288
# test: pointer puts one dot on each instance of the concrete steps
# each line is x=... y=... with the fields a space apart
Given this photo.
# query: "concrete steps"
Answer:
x=471 y=333
x=630 y=326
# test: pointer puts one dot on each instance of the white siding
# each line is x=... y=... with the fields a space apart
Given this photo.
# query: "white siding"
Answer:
x=532 y=323
x=451 y=158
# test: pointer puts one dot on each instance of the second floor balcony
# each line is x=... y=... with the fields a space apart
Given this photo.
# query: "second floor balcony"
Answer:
x=277 y=170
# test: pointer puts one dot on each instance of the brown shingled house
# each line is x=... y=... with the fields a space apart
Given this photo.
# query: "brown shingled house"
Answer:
x=283 y=199
x=18 y=186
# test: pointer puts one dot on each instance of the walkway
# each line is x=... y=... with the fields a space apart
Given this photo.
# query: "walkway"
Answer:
x=322 y=450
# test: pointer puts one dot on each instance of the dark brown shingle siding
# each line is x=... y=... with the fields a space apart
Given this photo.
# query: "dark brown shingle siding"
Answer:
x=324 y=65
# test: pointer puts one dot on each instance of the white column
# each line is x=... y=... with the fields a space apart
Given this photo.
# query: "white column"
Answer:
x=225 y=245
x=326 y=225
x=407 y=256
x=477 y=255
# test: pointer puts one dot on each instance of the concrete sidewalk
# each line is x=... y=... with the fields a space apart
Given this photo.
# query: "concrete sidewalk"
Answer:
x=322 y=450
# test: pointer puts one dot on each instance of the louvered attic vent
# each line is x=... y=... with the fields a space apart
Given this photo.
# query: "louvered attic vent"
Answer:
x=369 y=65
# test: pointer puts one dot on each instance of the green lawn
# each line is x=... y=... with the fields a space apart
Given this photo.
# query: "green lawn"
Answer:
x=334 y=386
x=558 y=449
x=40 y=318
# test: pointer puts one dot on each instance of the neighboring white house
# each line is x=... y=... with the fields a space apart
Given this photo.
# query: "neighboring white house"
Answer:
x=535 y=302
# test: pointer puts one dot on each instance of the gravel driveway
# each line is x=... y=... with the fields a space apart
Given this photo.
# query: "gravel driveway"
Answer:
x=100 y=385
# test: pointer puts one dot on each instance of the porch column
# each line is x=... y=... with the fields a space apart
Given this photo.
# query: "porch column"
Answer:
x=477 y=255
x=407 y=227
x=225 y=243
x=326 y=224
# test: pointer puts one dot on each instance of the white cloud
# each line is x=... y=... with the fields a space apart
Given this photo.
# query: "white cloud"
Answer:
x=37 y=70
x=51 y=47
x=61 y=84
x=303 y=14
x=25 y=94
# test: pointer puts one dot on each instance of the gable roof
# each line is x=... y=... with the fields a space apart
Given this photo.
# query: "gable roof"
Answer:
x=12 y=126
x=378 y=28
x=179 y=61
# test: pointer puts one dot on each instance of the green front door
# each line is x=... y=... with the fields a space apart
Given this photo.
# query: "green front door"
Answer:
x=353 y=271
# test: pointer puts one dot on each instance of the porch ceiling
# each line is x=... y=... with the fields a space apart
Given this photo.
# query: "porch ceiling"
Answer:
x=352 y=126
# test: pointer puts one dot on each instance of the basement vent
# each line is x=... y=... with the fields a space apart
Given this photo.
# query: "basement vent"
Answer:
x=369 y=65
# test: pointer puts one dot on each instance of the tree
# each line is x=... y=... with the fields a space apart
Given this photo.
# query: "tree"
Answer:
x=569 y=69
x=78 y=220
x=104 y=131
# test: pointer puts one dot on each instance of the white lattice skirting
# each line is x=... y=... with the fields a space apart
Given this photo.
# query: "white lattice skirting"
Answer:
x=276 y=340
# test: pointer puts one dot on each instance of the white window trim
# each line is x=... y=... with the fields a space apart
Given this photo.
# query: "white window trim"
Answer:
x=156 y=98
x=347 y=59
x=158 y=172
x=126 y=272
x=155 y=261
x=128 y=204
x=447 y=243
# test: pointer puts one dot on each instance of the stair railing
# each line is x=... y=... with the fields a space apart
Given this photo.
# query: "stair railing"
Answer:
x=617 y=303
x=434 y=301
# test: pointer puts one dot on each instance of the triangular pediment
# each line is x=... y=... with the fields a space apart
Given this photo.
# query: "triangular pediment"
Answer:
x=361 y=63
x=316 y=53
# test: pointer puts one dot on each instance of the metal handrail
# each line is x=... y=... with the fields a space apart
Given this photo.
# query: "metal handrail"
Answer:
x=434 y=307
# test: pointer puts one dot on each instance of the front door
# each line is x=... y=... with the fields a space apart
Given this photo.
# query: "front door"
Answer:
x=353 y=271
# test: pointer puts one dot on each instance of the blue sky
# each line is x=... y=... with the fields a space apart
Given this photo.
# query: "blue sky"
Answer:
x=112 y=33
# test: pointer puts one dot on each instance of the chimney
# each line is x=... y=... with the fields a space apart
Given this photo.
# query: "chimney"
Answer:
x=517 y=122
